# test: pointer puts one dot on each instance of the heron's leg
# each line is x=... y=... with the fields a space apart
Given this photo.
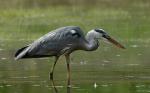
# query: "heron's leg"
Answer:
x=68 y=69
x=68 y=89
x=53 y=67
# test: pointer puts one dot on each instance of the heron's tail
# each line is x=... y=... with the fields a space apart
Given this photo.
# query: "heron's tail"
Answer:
x=21 y=53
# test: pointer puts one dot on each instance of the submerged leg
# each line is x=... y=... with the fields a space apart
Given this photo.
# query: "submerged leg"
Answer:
x=53 y=67
x=51 y=75
x=68 y=69
x=68 y=89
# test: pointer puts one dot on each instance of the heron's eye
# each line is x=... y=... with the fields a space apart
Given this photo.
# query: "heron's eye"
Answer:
x=100 y=31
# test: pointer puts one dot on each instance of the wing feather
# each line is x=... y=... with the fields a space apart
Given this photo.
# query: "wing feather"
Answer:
x=55 y=41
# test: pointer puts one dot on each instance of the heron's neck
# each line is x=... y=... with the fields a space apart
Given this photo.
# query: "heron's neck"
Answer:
x=92 y=43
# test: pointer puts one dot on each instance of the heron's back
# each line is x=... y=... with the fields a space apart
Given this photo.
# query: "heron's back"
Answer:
x=53 y=43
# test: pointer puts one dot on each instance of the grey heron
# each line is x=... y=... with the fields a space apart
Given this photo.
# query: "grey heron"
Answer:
x=63 y=41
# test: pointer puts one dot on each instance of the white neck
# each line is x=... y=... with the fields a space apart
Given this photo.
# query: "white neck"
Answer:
x=92 y=42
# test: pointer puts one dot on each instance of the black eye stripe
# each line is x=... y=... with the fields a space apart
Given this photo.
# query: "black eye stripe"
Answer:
x=99 y=31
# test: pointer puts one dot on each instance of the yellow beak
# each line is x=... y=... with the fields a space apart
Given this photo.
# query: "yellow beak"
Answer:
x=115 y=42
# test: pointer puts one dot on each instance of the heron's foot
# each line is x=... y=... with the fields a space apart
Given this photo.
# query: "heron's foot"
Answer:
x=51 y=76
x=69 y=86
x=68 y=83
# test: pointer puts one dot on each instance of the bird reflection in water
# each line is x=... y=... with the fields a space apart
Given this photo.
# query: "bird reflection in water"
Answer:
x=55 y=90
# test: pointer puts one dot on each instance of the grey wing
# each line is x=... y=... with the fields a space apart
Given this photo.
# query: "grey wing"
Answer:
x=58 y=41
x=38 y=48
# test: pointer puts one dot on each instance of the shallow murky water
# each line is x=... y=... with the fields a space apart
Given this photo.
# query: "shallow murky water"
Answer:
x=107 y=70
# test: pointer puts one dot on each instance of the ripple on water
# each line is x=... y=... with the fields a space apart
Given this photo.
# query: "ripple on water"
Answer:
x=129 y=76
x=19 y=77
x=134 y=46
x=138 y=86
x=3 y=58
x=59 y=86
x=139 y=54
x=106 y=61
x=133 y=64
x=5 y=86
x=36 y=85
x=1 y=49
x=8 y=85
x=143 y=91
x=118 y=55
x=83 y=62
x=105 y=85
x=103 y=64
x=33 y=76
x=75 y=87
x=145 y=77
x=54 y=86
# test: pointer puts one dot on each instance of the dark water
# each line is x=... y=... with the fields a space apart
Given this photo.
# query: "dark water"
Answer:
x=107 y=70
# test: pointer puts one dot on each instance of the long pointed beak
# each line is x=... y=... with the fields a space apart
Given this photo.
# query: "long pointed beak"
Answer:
x=115 y=42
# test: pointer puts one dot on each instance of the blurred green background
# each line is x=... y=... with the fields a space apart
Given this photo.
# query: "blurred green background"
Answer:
x=111 y=69
x=124 y=18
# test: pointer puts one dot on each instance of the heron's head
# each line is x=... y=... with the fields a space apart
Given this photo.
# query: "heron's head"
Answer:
x=100 y=33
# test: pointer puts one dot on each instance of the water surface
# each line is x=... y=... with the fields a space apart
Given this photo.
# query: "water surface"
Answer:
x=107 y=70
